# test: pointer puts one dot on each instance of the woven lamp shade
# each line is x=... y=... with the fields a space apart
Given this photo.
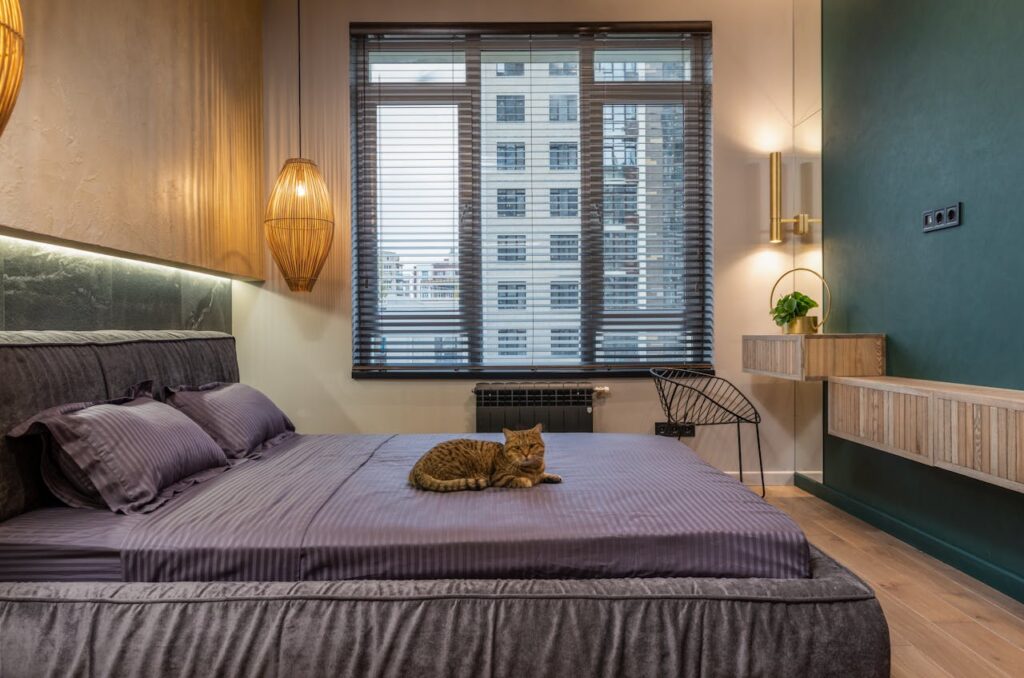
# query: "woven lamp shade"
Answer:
x=299 y=224
x=12 y=57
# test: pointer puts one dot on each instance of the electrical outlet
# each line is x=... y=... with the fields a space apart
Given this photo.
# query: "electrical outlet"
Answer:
x=942 y=217
x=663 y=428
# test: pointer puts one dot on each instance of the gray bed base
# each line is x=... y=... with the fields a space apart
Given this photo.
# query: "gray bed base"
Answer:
x=828 y=625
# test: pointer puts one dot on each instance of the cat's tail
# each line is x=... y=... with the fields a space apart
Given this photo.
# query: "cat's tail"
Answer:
x=428 y=482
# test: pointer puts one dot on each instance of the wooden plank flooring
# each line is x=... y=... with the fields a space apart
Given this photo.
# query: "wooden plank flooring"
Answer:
x=942 y=622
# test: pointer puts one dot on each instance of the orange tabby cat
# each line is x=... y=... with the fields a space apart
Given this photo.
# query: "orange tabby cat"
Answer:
x=476 y=464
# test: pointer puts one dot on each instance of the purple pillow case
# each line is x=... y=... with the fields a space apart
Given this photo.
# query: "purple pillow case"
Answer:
x=135 y=453
x=243 y=421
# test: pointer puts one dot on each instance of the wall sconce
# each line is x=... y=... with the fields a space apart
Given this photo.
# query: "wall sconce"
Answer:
x=801 y=222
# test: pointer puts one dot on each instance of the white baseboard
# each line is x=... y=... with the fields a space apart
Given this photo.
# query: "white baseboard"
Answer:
x=752 y=477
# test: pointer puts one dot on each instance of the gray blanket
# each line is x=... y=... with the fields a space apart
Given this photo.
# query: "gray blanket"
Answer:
x=338 y=507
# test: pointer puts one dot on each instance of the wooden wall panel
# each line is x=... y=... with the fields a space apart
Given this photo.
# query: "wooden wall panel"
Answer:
x=972 y=430
x=814 y=357
x=892 y=419
x=139 y=131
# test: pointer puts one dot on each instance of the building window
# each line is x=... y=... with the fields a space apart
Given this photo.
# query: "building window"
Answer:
x=511 y=248
x=563 y=107
x=564 y=202
x=563 y=68
x=510 y=69
x=620 y=204
x=512 y=156
x=512 y=343
x=565 y=295
x=511 y=202
x=563 y=155
x=511 y=295
x=609 y=265
x=565 y=247
x=511 y=107
x=565 y=343
x=620 y=291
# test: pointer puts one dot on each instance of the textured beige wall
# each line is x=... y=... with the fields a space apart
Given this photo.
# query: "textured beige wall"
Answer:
x=298 y=347
x=139 y=129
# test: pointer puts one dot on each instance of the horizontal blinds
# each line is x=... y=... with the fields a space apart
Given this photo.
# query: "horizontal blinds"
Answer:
x=531 y=202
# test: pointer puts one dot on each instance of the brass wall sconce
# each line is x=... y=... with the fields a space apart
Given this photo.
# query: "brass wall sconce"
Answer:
x=801 y=222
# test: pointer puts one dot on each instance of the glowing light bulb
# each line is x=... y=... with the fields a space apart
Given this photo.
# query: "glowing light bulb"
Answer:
x=300 y=190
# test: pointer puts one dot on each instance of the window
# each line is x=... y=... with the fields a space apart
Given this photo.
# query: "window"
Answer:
x=530 y=203
x=512 y=343
x=512 y=156
x=562 y=155
x=511 y=202
x=620 y=204
x=511 y=107
x=565 y=295
x=563 y=107
x=565 y=247
x=564 y=202
x=563 y=68
x=565 y=343
x=511 y=295
x=511 y=68
x=511 y=248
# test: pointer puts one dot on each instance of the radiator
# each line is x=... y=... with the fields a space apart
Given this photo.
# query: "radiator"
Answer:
x=559 y=407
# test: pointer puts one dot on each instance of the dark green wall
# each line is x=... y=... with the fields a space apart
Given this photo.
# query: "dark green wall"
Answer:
x=923 y=106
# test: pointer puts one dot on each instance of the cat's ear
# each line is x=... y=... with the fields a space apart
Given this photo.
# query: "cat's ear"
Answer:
x=537 y=429
x=508 y=433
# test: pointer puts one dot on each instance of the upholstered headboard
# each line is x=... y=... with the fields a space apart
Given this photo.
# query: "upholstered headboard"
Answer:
x=44 y=369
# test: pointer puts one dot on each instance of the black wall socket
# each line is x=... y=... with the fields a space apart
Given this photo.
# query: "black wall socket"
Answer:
x=942 y=217
x=663 y=428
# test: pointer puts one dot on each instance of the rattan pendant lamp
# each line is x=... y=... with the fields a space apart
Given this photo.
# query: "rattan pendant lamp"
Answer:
x=12 y=57
x=299 y=224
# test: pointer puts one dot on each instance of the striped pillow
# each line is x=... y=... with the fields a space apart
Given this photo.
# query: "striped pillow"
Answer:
x=243 y=421
x=137 y=453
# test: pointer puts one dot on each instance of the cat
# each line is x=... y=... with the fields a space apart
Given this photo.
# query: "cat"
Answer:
x=478 y=464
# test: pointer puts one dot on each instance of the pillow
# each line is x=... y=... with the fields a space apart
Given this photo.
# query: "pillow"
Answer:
x=136 y=453
x=242 y=420
x=66 y=480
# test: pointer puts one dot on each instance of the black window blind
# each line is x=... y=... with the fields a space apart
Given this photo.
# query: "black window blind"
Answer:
x=536 y=201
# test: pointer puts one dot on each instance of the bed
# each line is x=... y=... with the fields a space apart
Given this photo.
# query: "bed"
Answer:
x=646 y=561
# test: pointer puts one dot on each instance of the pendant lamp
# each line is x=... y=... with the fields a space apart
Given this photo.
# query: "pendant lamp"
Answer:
x=299 y=224
x=12 y=57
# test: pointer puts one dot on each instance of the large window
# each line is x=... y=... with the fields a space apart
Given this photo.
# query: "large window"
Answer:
x=531 y=203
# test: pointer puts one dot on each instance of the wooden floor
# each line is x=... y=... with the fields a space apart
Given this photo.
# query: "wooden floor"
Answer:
x=941 y=621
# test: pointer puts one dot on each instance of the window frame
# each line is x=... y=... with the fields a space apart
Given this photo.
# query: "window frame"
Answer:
x=467 y=96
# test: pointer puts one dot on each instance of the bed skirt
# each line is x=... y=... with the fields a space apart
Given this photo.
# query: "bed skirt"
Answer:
x=828 y=625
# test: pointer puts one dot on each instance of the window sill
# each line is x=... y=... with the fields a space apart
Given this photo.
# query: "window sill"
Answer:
x=526 y=374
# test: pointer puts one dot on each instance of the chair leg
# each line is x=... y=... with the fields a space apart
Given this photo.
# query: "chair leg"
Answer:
x=739 y=449
x=760 y=462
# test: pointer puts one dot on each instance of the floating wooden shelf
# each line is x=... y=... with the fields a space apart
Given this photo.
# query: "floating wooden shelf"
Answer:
x=973 y=430
x=814 y=357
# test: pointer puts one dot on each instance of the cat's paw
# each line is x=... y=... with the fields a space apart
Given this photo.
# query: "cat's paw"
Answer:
x=520 y=482
x=551 y=478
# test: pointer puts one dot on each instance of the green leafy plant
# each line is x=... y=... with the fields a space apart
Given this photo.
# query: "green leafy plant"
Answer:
x=795 y=305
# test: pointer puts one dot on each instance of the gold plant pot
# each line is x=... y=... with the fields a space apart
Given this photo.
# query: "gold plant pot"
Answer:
x=807 y=324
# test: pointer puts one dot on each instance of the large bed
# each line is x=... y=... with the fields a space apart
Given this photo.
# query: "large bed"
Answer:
x=318 y=559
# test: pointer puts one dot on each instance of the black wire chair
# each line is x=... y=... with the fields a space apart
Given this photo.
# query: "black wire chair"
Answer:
x=692 y=397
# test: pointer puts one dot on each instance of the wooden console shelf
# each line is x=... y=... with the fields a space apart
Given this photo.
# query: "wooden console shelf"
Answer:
x=814 y=357
x=973 y=430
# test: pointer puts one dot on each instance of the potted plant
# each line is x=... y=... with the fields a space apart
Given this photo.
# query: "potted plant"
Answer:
x=790 y=313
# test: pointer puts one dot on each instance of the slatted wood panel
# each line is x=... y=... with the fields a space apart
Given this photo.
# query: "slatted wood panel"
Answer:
x=973 y=430
x=981 y=440
x=814 y=357
x=893 y=420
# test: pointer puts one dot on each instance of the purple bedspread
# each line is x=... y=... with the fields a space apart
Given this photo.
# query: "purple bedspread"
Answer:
x=338 y=507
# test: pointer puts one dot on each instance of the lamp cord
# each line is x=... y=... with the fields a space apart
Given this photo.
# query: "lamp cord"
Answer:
x=298 y=49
